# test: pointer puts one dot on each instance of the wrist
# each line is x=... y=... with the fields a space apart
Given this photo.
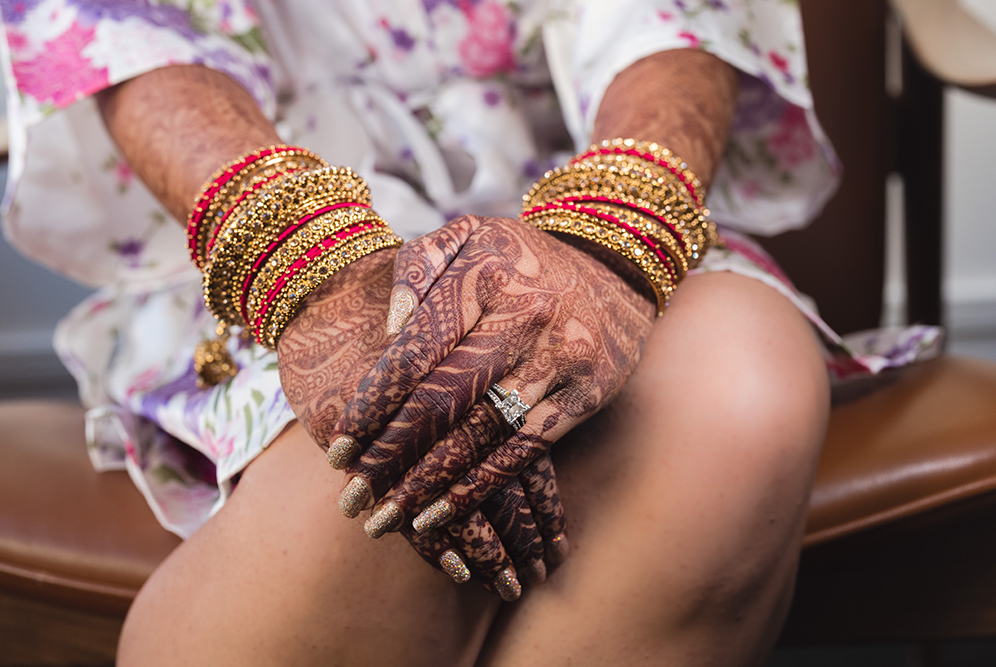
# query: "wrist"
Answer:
x=634 y=198
x=617 y=265
x=269 y=229
x=366 y=270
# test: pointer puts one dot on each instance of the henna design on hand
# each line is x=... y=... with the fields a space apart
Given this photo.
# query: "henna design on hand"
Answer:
x=539 y=483
x=509 y=513
x=514 y=305
x=335 y=338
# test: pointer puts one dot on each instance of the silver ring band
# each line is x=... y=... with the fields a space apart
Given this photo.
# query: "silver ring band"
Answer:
x=511 y=407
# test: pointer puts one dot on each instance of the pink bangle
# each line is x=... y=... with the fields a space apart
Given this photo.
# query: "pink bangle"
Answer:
x=679 y=239
x=662 y=255
x=302 y=262
x=212 y=187
x=221 y=178
x=275 y=245
x=649 y=157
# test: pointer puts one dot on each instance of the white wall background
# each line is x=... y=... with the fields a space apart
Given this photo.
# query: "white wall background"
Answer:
x=970 y=211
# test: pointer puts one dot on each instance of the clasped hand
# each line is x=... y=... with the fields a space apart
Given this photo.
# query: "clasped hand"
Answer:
x=485 y=301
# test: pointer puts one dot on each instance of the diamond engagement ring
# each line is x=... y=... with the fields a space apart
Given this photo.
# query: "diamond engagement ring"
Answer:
x=511 y=407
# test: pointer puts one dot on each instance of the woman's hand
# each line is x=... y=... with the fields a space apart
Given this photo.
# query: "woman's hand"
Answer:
x=337 y=336
x=490 y=301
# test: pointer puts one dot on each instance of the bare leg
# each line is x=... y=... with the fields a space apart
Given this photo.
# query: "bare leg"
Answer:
x=687 y=497
x=278 y=577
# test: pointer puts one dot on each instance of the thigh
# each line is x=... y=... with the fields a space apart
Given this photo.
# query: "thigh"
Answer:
x=687 y=496
x=278 y=576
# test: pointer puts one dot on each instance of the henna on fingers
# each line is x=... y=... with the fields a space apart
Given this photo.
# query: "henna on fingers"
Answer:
x=335 y=338
x=488 y=558
x=467 y=549
x=513 y=306
x=539 y=482
x=509 y=513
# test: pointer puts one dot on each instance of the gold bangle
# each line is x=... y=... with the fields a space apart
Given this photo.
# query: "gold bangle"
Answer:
x=209 y=208
x=241 y=188
x=604 y=180
x=611 y=150
x=682 y=219
x=280 y=261
x=635 y=198
x=662 y=276
x=652 y=227
x=243 y=239
x=323 y=268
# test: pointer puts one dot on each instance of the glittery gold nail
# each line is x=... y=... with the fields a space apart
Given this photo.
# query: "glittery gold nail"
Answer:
x=432 y=516
x=402 y=307
x=507 y=585
x=342 y=451
x=453 y=565
x=559 y=548
x=384 y=520
x=354 y=497
x=534 y=573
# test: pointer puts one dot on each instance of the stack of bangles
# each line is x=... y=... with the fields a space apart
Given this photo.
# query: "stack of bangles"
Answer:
x=267 y=230
x=635 y=198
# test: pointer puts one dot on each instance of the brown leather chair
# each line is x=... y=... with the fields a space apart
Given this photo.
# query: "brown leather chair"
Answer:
x=898 y=546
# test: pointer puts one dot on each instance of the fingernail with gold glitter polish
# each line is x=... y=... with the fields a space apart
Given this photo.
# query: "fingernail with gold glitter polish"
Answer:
x=385 y=519
x=453 y=565
x=355 y=497
x=507 y=585
x=433 y=516
x=402 y=307
x=534 y=573
x=559 y=548
x=342 y=451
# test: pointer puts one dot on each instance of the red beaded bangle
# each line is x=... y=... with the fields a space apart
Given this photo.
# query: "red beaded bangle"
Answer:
x=277 y=243
x=675 y=231
x=649 y=157
x=301 y=263
x=217 y=182
x=663 y=255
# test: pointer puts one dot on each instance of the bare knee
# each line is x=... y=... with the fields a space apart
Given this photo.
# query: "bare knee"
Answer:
x=688 y=494
x=738 y=389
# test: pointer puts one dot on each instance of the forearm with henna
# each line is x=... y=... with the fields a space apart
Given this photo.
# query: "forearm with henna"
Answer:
x=682 y=99
x=177 y=125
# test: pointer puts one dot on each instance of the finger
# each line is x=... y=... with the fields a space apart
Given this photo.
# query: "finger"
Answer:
x=438 y=549
x=545 y=424
x=442 y=463
x=442 y=403
x=437 y=326
x=486 y=556
x=512 y=518
x=464 y=445
x=539 y=483
x=419 y=264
